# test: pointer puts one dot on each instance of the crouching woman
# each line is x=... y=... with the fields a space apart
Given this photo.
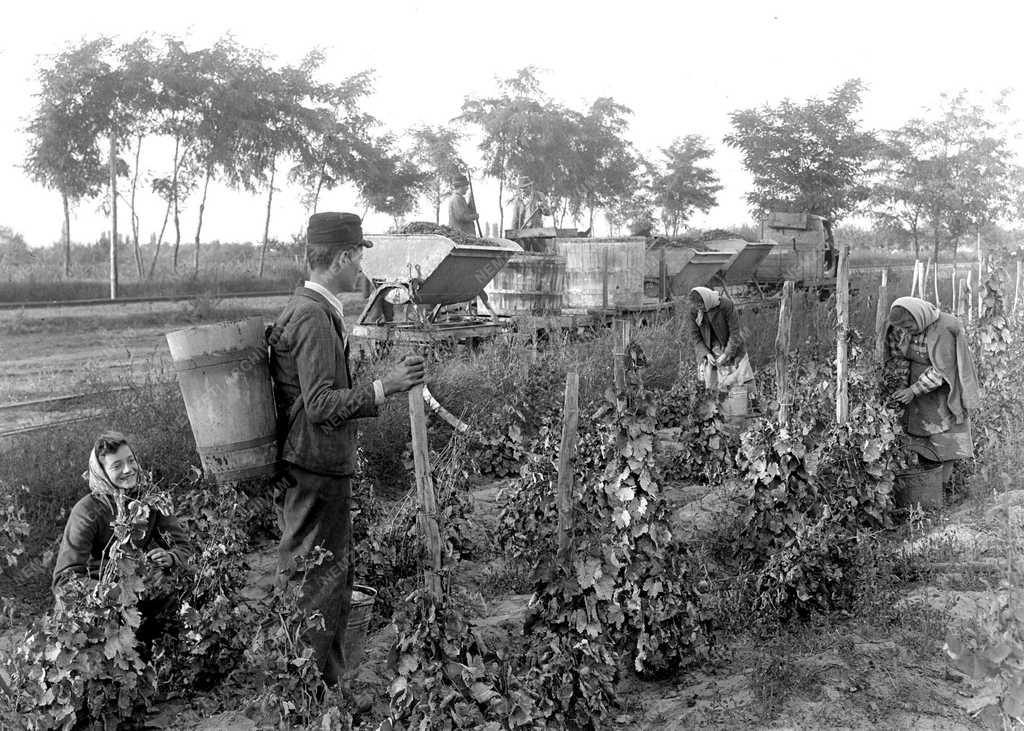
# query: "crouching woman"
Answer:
x=933 y=372
x=115 y=482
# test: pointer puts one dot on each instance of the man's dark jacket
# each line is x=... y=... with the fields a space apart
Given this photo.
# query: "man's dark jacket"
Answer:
x=317 y=403
x=723 y=323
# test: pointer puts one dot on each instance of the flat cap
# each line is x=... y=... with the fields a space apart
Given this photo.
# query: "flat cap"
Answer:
x=339 y=229
x=460 y=179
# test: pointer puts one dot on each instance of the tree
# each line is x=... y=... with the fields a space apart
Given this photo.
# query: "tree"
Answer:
x=525 y=133
x=952 y=171
x=339 y=142
x=436 y=151
x=63 y=153
x=609 y=166
x=808 y=157
x=684 y=186
x=393 y=182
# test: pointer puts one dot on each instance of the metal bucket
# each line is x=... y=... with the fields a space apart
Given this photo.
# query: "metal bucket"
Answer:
x=919 y=487
x=224 y=377
x=360 y=612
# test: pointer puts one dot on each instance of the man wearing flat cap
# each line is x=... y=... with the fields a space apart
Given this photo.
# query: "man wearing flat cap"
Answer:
x=317 y=405
x=462 y=214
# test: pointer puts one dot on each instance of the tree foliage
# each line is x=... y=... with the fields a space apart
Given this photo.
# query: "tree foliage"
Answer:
x=808 y=157
x=684 y=185
x=950 y=171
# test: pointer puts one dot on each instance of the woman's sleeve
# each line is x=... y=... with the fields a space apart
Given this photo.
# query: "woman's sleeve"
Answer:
x=735 y=343
x=76 y=544
x=927 y=381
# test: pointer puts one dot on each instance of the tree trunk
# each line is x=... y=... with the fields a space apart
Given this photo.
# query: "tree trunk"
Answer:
x=266 y=222
x=174 y=197
x=319 y=186
x=113 y=216
x=135 y=218
x=501 y=207
x=67 y=234
x=159 y=240
x=437 y=200
x=199 y=225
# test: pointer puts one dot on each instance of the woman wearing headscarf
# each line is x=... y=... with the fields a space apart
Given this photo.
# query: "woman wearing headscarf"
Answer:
x=932 y=368
x=115 y=482
x=722 y=359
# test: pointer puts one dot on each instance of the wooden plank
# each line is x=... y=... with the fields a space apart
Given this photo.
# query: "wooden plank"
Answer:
x=881 y=318
x=570 y=427
x=842 y=353
x=427 y=518
x=782 y=343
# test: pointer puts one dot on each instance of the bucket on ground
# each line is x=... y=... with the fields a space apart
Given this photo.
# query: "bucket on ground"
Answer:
x=224 y=377
x=529 y=283
x=737 y=401
x=363 y=598
x=919 y=487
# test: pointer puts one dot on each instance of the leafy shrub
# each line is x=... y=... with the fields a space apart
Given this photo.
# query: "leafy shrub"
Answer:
x=80 y=664
x=709 y=447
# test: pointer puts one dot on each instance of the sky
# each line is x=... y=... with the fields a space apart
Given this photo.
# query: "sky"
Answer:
x=682 y=67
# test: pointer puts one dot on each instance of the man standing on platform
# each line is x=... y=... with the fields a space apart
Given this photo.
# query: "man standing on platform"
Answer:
x=317 y=405
x=462 y=213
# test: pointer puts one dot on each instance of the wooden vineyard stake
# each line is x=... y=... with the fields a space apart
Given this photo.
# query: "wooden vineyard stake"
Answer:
x=842 y=354
x=1016 y=289
x=914 y=280
x=782 y=341
x=570 y=425
x=604 y=280
x=622 y=331
x=881 y=317
x=935 y=280
x=662 y=277
x=427 y=517
x=952 y=292
x=922 y=284
x=981 y=280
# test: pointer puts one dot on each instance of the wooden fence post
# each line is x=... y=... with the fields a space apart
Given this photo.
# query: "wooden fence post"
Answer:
x=782 y=341
x=427 y=518
x=843 y=317
x=881 y=317
x=570 y=425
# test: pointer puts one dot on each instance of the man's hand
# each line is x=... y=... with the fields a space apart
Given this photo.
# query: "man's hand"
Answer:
x=710 y=358
x=409 y=372
x=903 y=395
x=721 y=360
x=161 y=557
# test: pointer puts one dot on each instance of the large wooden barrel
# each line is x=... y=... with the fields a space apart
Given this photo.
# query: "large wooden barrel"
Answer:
x=225 y=381
x=528 y=284
x=600 y=268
